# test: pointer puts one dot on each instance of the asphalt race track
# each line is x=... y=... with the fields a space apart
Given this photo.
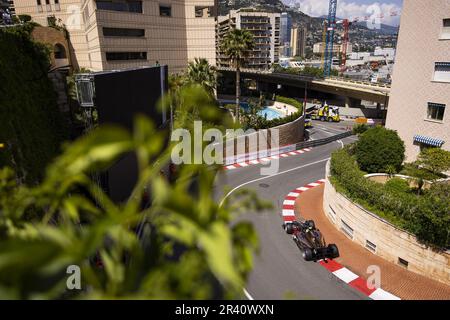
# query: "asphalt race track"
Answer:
x=280 y=271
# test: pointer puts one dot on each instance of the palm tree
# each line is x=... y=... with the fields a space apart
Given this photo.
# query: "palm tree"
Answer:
x=237 y=44
x=201 y=72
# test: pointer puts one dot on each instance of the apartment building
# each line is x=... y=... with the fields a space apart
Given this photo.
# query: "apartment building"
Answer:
x=265 y=28
x=120 y=34
x=319 y=47
x=420 y=94
x=285 y=34
x=298 y=41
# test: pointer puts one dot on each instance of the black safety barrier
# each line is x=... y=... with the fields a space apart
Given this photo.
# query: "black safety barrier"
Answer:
x=319 y=142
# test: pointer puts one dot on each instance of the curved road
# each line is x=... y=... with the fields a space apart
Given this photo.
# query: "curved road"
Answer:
x=280 y=271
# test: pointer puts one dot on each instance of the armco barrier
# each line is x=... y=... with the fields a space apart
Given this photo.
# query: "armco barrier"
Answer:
x=315 y=143
x=292 y=147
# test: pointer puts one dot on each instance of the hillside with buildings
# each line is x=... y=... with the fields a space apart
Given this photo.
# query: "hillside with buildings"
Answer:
x=361 y=36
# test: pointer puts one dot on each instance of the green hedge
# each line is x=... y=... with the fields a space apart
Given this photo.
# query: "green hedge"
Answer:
x=265 y=124
x=31 y=125
x=427 y=216
x=291 y=101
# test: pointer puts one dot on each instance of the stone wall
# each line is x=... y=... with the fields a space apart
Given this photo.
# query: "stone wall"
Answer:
x=382 y=238
x=263 y=140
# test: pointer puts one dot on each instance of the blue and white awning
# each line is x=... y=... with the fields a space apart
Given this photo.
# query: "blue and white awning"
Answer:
x=442 y=64
x=427 y=140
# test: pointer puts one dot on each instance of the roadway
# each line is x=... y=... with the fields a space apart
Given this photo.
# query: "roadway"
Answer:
x=280 y=271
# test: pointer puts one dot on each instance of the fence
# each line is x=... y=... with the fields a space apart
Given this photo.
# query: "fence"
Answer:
x=315 y=143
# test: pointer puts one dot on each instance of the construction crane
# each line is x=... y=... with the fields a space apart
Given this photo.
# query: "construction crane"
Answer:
x=324 y=39
x=328 y=36
x=331 y=25
x=346 y=25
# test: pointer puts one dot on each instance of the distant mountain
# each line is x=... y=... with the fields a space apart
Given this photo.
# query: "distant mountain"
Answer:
x=384 y=28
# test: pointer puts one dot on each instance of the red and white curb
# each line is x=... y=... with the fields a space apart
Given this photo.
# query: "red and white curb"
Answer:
x=352 y=279
x=266 y=159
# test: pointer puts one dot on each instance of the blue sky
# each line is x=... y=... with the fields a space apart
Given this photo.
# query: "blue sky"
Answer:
x=352 y=8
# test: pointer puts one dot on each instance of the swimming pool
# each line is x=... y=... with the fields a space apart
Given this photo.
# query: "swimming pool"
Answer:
x=270 y=113
x=266 y=112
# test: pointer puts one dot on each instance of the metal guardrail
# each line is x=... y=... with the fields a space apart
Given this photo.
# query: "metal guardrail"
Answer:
x=320 y=142
x=366 y=83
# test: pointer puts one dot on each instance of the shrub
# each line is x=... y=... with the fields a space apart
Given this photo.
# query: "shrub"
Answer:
x=397 y=185
x=32 y=126
x=435 y=159
x=360 y=128
x=413 y=170
x=265 y=124
x=377 y=148
x=291 y=101
x=24 y=17
x=425 y=216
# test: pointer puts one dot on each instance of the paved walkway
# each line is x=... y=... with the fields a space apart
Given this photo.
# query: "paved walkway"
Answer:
x=394 y=279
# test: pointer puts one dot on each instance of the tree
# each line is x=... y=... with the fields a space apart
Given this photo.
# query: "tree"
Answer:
x=436 y=160
x=32 y=126
x=183 y=245
x=201 y=72
x=378 y=149
x=252 y=117
x=236 y=45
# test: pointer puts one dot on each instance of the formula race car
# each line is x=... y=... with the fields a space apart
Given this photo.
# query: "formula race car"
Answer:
x=310 y=241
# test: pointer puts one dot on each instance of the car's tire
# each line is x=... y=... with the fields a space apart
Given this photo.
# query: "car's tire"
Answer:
x=330 y=119
x=333 y=250
x=308 y=254
x=322 y=119
x=289 y=228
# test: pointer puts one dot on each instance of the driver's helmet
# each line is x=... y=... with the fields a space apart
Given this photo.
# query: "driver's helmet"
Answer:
x=310 y=225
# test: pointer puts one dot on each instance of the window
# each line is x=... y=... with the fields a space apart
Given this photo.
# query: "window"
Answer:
x=123 y=32
x=442 y=71
x=57 y=6
x=39 y=3
x=165 y=10
x=47 y=2
x=127 y=6
x=347 y=229
x=371 y=246
x=435 y=111
x=112 y=56
x=59 y=51
x=445 y=34
x=403 y=262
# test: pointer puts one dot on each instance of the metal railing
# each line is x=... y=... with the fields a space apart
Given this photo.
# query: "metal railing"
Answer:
x=320 y=142
x=367 y=83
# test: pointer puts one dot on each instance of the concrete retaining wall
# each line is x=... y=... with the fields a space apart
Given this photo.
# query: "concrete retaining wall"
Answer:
x=261 y=141
x=382 y=238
